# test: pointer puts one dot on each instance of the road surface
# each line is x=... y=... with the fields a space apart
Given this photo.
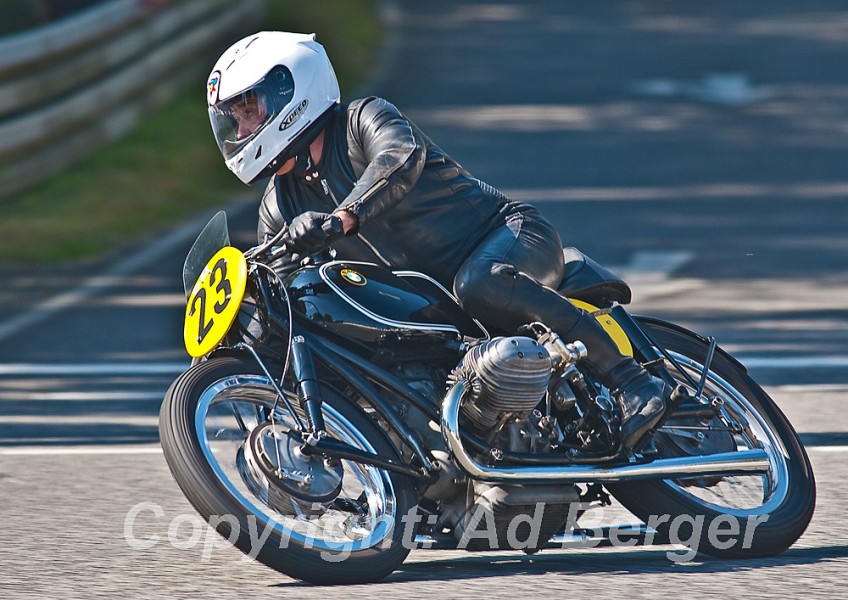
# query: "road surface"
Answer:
x=699 y=150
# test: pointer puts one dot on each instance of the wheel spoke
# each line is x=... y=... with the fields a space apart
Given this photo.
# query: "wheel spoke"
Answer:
x=231 y=409
x=737 y=427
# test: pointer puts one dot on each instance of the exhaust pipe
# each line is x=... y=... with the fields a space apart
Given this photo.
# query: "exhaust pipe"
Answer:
x=726 y=463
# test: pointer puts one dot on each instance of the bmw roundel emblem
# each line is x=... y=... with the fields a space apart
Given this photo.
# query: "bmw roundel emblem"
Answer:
x=354 y=277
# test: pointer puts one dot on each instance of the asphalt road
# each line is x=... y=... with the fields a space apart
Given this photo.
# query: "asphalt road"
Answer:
x=699 y=150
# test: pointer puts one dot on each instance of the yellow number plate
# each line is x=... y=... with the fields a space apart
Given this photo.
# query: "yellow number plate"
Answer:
x=214 y=301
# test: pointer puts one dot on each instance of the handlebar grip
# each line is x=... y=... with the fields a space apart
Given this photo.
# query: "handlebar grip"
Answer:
x=332 y=225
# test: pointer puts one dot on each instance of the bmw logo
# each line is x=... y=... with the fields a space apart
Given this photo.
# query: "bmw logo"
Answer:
x=354 y=277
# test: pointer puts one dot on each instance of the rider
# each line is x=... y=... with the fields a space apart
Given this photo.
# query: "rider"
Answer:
x=390 y=195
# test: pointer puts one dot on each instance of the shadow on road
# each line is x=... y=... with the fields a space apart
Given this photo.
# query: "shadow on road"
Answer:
x=479 y=566
x=585 y=563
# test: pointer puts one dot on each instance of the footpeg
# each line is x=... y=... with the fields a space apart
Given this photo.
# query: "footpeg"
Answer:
x=678 y=396
x=646 y=446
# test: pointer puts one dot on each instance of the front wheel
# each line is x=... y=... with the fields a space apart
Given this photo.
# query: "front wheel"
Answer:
x=728 y=516
x=230 y=447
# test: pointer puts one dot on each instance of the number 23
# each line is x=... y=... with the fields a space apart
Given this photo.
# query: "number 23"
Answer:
x=223 y=287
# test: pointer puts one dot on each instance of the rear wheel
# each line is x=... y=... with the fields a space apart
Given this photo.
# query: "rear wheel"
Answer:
x=727 y=516
x=316 y=520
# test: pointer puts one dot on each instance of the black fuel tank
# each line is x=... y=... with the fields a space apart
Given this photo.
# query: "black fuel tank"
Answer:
x=372 y=304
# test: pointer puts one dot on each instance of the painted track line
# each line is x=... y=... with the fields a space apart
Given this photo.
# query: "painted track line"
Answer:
x=794 y=362
x=826 y=362
x=80 y=450
x=92 y=369
x=92 y=419
x=119 y=450
x=106 y=396
x=729 y=192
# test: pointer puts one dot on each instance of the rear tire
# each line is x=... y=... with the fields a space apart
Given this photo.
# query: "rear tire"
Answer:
x=727 y=507
x=210 y=469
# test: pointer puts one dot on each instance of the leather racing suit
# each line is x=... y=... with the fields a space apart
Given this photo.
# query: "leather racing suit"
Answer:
x=418 y=209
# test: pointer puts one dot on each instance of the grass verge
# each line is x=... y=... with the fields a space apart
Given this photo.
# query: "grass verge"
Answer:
x=168 y=168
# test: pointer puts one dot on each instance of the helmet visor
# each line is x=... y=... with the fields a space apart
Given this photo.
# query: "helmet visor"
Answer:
x=238 y=119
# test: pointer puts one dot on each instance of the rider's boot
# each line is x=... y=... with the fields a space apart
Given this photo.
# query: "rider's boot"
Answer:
x=640 y=395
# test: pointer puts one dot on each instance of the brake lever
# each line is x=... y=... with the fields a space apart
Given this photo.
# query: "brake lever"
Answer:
x=284 y=245
x=267 y=244
x=281 y=251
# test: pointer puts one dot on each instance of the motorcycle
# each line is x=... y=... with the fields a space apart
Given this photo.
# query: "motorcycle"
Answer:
x=339 y=415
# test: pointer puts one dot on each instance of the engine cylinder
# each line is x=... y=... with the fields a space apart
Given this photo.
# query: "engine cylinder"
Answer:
x=508 y=374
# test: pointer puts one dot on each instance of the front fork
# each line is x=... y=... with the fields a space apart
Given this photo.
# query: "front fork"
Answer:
x=308 y=390
x=306 y=384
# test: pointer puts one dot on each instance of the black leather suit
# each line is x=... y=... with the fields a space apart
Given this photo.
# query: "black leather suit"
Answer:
x=418 y=209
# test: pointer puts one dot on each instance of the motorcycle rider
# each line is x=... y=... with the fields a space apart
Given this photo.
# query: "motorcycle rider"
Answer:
x=363 y=178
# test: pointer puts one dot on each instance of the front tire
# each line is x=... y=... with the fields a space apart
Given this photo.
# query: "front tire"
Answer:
x=354 y=535
x=761 y=515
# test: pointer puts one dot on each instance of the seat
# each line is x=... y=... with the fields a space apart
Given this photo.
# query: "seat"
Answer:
x=586 y=280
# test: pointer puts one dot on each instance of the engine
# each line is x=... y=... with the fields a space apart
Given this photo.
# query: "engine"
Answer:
x=509 y=377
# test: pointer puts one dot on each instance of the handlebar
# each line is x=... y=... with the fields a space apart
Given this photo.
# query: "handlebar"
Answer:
x=280 y=244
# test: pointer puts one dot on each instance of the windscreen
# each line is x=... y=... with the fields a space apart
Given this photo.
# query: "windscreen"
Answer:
x=213 y=237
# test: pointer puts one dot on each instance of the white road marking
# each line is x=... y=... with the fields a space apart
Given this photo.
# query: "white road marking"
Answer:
x=92 y=369
x=114 y=396
x=657 y=262
x=824 y=190
x=94 y=419
x=812 y=388
x=106 y=450
x=731 y=89
x=141 y=299
x=79 y=450
x=648 y=273
x=175 y=368
x=794 y=362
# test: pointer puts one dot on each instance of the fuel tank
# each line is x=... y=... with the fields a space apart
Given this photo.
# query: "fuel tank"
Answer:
x=372 y=304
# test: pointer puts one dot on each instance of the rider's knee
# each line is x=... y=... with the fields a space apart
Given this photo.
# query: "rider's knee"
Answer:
x=483 y=288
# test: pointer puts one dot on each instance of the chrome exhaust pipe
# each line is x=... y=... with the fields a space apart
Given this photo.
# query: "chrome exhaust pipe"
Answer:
x=726 y=463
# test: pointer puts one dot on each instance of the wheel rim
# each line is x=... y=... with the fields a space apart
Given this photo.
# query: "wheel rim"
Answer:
x=741 y=495
x=362 y=516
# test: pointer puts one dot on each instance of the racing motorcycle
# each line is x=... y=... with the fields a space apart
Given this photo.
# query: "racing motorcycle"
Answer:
x=340 y=414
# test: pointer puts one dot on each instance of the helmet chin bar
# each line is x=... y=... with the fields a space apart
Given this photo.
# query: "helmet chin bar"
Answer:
x=298 y=146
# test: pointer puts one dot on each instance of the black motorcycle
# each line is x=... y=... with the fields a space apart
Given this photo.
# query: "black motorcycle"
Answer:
x=342 y=414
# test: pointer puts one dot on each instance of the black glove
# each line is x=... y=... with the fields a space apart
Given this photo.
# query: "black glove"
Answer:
x=313 y=231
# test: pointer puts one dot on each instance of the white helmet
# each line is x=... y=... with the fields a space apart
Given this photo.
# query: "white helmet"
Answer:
x=266 y=95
